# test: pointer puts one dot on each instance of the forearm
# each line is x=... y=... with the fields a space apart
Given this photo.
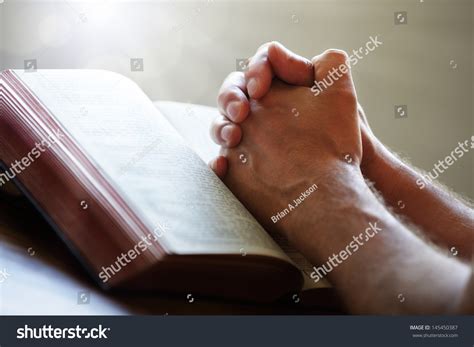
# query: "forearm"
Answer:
x=391 y=271
x=445 y=220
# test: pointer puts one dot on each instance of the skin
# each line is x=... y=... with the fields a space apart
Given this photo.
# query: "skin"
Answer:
x=328 y=127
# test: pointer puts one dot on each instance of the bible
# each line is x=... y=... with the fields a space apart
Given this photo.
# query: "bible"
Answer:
x=125 y=184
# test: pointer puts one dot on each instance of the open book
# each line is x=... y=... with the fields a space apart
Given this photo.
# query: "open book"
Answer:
x=126 y=186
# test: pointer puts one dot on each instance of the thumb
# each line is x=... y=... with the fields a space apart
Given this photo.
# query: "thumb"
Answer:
x=289 y=66
x=331 y=68
x=274 y=60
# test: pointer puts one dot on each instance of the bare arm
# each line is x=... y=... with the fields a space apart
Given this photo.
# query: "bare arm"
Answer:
x=445 y=219
x=392 y=270
x=380 y=265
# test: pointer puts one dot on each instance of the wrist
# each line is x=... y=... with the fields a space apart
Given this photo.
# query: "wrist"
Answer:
x=381 y=166
x=341 y=193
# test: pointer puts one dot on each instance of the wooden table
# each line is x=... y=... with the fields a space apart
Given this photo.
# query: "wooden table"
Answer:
x=41 y=277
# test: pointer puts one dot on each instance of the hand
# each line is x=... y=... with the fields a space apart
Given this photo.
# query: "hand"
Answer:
x=285 y=155
x=329 y=228
x=273 y=60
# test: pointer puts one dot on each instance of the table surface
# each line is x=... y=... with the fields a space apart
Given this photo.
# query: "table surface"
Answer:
x=41 y=277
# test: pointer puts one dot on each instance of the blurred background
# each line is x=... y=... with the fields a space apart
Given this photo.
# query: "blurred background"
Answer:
x=181 y=51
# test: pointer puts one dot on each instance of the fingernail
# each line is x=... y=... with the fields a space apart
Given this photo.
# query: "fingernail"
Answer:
x=225 y=133
x=213 y=165
x=252 y=86
x=233 y=110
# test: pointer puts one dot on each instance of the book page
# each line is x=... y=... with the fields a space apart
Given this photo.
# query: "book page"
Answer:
x=193 y=123
x=167 y=185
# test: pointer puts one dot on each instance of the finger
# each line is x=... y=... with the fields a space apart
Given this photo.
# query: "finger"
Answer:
x=225 y=133
x=219 y=166
x=232 y=100
x=332 y=68
x=273 y=59
x=290 y=67
x=259 y=73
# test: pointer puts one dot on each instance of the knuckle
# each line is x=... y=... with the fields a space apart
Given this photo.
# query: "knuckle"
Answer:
x=227 y=94
x=255 y=65
x=218 y=123
x=274 y=44
x=235 y=76
x=347 y=100
x=336 y=55
x=233 y=79
x=222 y=97
x=213 y=128
x=265 y=45
x=261 y=56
